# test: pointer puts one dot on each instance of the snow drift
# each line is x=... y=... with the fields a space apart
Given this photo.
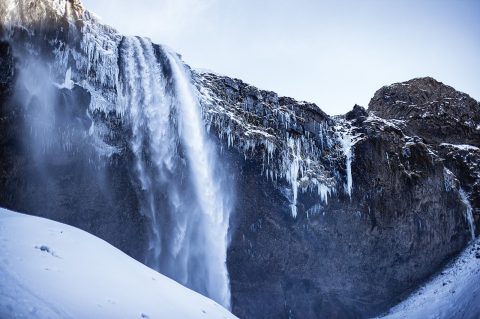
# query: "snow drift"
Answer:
x=51 y=270
x=454 y=293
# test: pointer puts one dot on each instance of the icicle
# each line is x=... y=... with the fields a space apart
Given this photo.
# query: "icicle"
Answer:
x=346 y=142
x=294 y=148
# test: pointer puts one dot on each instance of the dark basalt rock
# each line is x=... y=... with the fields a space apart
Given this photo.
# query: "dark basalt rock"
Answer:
x=447 y=120
x=465 y=164
x=354 y=257
x=6 y=69
x=436 y=112
x=357 y=114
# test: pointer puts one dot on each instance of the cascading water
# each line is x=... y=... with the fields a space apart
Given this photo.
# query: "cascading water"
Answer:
x=468 y=213
x=176 y=166
x=145 y=90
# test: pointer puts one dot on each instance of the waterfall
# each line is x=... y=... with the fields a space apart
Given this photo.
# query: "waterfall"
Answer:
x=468 y=213
x=180 y=179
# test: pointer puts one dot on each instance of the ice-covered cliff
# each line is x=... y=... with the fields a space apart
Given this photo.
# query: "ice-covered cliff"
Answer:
x=263 y=203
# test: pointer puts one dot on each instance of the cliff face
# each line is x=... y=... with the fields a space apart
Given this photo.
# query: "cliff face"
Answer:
x=332 y=216
x=447 y=120
x=356 y=254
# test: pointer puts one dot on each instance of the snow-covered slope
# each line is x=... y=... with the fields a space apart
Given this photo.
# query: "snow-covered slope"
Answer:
x=455 y=293
x=51 y=270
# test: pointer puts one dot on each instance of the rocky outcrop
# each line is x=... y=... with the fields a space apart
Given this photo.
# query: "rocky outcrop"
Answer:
x=445 y=119
x=334 y=216
x=429 y=109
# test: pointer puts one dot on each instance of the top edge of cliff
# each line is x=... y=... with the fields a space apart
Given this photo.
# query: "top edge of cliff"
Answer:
x=421 y=95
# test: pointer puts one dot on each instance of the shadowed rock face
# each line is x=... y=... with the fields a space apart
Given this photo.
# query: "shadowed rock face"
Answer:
x=349 y=254
x=353 y=257
x=445 y=119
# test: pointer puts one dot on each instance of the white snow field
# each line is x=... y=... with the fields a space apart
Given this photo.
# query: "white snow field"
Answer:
x=52 y=270
x=453 y=294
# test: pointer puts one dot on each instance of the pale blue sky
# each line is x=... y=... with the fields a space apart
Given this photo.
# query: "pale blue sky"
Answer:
x=333 y=53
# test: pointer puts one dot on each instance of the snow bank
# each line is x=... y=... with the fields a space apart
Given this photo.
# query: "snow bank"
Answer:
x=51 y=270
x=463 y=147
x=455 y=293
